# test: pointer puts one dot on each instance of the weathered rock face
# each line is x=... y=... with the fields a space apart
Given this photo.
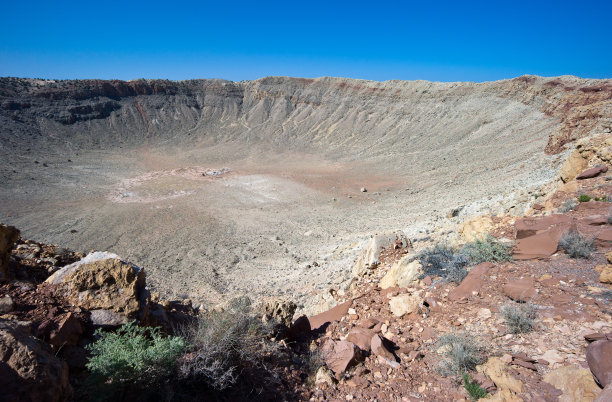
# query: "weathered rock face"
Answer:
x=577 y=384
x=599 y=358
x=29 y=371
x=371 y=253
x=112 y=289
x=8 y=237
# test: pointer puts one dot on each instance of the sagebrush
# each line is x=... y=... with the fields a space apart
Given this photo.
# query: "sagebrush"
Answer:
x=226 y=345
x=444 y=261
x=488 y=249
x=462 y=353
x=132 y=358
x=519 y=317
x=576 y=245
x=568 y=205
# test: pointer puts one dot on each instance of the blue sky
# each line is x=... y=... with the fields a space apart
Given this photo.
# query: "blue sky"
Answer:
x=378 y=40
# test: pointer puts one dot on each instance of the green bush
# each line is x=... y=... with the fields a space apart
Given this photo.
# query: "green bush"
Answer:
x=228 y=345
x=519 y=318
x=132 y=357
x=577 y=246
x=462 y=353
x=444 y=261
x=584 y=198
x=488 y=249
x=473 y=388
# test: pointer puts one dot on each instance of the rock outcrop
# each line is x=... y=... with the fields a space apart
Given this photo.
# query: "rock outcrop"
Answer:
x=29 y=370
x=8 y=237
x=112 y=289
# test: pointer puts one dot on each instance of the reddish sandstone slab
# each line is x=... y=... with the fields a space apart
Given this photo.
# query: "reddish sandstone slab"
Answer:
x=334 y=314
x=472 y=282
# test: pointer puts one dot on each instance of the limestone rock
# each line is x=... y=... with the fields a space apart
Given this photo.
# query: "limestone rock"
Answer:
x=29 y=371
x=8 y=237
x=278 y=311
x=369 y=257
x=405 y=304
x=575 y=164
x=577 y=384
x=599 y=358
x=402 y=273
x=102 y=281
x=475 y=228
x=496 y=370
x=606 y=274
x=324 y=376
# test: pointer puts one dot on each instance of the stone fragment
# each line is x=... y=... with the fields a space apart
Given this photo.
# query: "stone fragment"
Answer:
x=380 y=350
x=405 y=304
x=606 y=274
x=334 y=314
x=472 y=282
x=324 y=376
x=402 y=273
x=552 y=356
x=497 y=371
x=360 y=337
x=599 y=358
x=339 y=355
x=106 y=318
x=29 y=371
x=484 y=314
x=521 y=290
x=279 y=313
x=577 y=384
x=592 y=172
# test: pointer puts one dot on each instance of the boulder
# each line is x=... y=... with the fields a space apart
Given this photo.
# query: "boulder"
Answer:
x=29 y=371
x=577 y=384
x=472 y=282
x=606 y=274
x=339 y=355
x=575 y=164
x=334 y=314
x=8 y=237
x=599 y=358
x=405 y=304
x=369 y=257
x=106 y=285
x=6 y=304
x=592 y=172
x=402 y=273
x=521 y=290
x=300 y=329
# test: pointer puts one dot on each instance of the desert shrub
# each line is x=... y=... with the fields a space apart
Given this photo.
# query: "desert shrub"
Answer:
x=568 y=205
x=576 y=246
x=444 y=261
x=131 y=358
x=473 y=388
x=462 y=353
x=227 y=345
x=488 y=249
x=519 y=317
x=584 y=198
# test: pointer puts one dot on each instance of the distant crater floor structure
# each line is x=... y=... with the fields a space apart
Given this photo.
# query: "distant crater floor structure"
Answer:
x=220 y=188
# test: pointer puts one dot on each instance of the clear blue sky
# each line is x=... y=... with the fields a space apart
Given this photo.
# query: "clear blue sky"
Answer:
x=378 y=40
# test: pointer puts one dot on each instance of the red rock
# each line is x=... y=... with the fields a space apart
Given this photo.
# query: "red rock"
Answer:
x=428 y=333
x=595 y=220
x=605 y=395
x=525 y=364
x=339 y=355
x=334 y=314
x=427 y=281
x=300 y=329
x=592 y=172
x=360 y=337
x=369 y=323
x=538 y=207
x=520 y=290
x=599 y=358
x=380 y=350
x=529 y=226
x=484 y=382
x=598 y=337
x=68 y=332
x=472 y=282
x=540 y=245
x=432 y=303
x=604 y=237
